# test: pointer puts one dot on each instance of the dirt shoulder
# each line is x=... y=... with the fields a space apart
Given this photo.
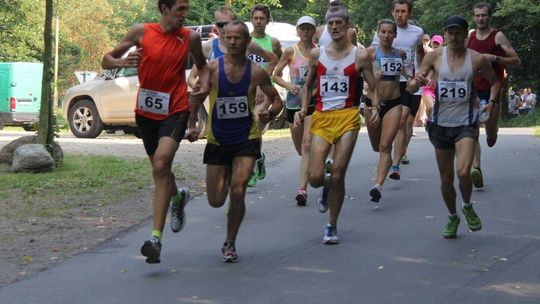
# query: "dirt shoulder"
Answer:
x=33 y=245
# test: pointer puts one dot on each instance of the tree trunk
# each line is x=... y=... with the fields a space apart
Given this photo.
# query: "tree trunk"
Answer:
x=45 y=129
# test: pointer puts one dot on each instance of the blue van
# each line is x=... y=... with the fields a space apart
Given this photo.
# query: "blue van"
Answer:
x=20 y=93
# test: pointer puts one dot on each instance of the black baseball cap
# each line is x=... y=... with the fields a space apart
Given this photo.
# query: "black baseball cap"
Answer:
x=456 y=21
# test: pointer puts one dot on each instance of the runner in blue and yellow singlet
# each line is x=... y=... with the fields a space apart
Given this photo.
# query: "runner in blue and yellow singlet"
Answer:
x=234 y=136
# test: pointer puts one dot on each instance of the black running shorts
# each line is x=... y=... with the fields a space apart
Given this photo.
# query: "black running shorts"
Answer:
x=152 y=130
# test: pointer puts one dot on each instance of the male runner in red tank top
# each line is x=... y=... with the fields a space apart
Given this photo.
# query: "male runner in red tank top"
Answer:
x=162 y=106
x=497 y=50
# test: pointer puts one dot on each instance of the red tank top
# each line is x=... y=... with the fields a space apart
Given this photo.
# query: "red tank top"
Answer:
x=487 y=46
x=162 y=68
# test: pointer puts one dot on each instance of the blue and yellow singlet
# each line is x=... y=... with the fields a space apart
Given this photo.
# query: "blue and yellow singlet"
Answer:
x=231 y=106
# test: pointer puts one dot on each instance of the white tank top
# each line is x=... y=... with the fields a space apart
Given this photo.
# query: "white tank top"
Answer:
x=455 y=97
x=325 y=38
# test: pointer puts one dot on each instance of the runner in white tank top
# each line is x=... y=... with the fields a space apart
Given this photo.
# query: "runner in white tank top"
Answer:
x=453 y=129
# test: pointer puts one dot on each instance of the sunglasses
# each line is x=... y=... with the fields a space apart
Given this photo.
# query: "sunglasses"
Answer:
x=221 y=24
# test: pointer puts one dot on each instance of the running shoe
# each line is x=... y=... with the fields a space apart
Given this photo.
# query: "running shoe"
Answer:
x=322 y=201
x=405 y=160
x=261 y=168
x=450 y=230
x=301 y=197
x=178 y=216
x=229 y=252
x=330 y=235
x=151 y=249
x=375 y=194
x=472 y=218
x=477 y=178
x=253 y=180
x=328 y=166
x=394 y=173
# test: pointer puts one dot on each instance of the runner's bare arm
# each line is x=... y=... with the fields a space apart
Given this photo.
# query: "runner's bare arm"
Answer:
x=262 y=80
x=200 y=61
x=308 y=86
x=511 y=59
x=485 y=67
x=420 y=51
x=285 y=60
x=276 y=47
x=317 y=35
x=363 y=63
x=195 y=103
x=420 y=78
x=207 y=47
x=254 y=48
x=192 y=77
x=113 y=59
x=351 y=34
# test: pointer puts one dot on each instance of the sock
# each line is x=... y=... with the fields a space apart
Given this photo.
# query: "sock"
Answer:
x=157 y=234
x=466 y=205
x=176 y=199
x=379 y=187
x=452 y=215
x=330 y=225
x=395 y=167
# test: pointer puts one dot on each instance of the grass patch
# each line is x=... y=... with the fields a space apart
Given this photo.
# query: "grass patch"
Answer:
x=523 y=121
x=82 y=181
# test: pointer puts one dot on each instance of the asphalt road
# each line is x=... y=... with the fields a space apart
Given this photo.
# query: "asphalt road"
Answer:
x=391 y=254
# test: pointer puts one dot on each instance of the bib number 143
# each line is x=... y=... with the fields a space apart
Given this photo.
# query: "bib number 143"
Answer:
x=334 y=86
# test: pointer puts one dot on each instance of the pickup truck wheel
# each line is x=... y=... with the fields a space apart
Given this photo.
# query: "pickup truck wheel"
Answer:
x=2 y=124
x=84 y=120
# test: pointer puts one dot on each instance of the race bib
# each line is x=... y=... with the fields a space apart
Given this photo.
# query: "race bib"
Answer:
x=232 y=107
x=334 y=86
x=257 y=59
x=453 y=91
x=409 y=53
x=153 y=101
x=391 y=66
x=303 y=72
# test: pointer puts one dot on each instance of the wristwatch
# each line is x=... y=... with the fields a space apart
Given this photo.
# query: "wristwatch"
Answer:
x=497 y=59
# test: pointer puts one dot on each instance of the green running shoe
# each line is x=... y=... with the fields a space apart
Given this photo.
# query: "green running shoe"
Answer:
x=261 y=168
x=405 y=160
x=450 y=230
x=477 y=179
x=472 y=218
x=253 y=180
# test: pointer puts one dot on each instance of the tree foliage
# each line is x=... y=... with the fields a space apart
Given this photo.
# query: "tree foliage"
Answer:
x=21 y=34
x=88 y=29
